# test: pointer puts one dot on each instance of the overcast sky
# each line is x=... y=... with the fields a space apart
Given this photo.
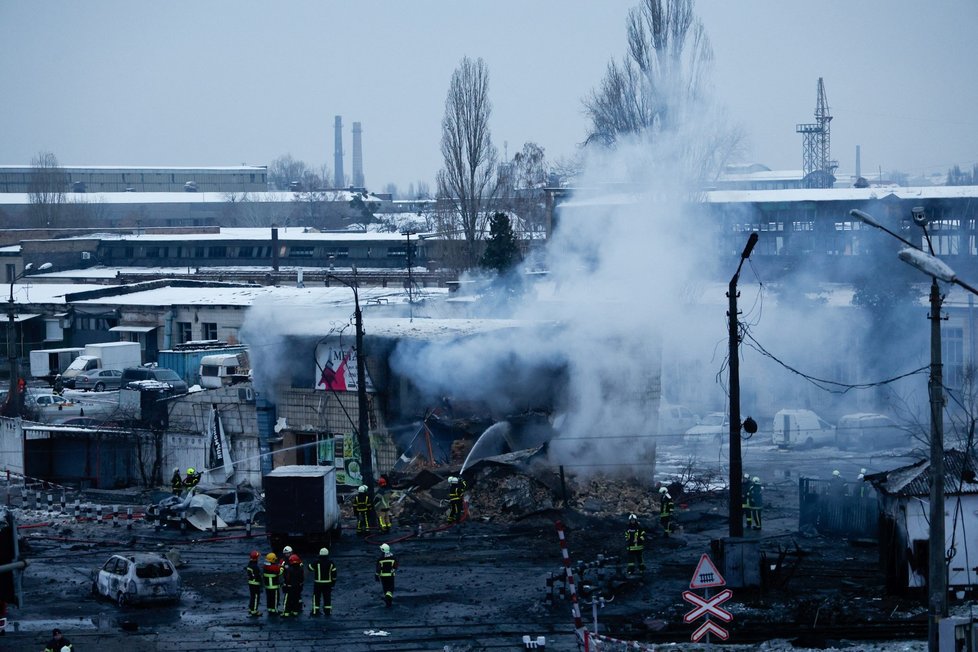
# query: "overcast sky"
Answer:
x=227 y=82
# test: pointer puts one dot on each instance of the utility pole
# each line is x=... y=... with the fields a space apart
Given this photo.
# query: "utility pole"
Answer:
x=363 y=421
x=937 y=578
x=410 y=281
x=736 y=462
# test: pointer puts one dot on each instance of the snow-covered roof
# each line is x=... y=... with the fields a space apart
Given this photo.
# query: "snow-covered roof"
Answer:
x=914 y=479
x=263 y=235
x=786 y=195
x=38 y=293
x=101 y=272
x=417 y=328
x=23 y=198
x=129 y=168
x=840 y=194
x=289 y=297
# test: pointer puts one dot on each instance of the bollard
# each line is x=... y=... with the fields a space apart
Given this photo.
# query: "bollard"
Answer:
x=50 y=500
x=98 y=514
x=62 y=501
x=248 y=528
x=214 y=523
x=183 y=526
x=77 y=508
x=115 y=516
x=129 y=519
x=159 y=523
x=37 y=499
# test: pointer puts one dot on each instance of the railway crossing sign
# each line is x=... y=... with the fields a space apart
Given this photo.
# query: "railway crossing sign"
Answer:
x=708 y=606
x=706 y=576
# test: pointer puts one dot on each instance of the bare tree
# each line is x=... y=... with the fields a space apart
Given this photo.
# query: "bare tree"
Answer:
x=667 y=67
x=467 y=180
x=285 y=170
x=46 y=190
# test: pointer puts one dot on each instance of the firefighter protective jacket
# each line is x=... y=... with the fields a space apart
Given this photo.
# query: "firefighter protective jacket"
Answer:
x=254 y=573
x=323 y=571
x=635 y=537
x=386 y=566
x=272 y=575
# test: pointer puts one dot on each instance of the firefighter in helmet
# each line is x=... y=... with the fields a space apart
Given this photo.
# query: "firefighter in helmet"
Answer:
x=176 y=481
x=756 y=499
x=323 y=578
x=254 y=574
x=383 y=504
x=271 y=579
x=456 y=499
x=635 y=542
x=666 y=508
x=384 y=573
x=362 y=506
x=294 y=580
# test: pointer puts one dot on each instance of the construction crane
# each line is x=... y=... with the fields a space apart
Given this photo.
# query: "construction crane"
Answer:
x=818 y=168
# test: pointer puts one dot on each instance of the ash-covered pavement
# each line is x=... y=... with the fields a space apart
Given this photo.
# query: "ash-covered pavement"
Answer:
x=478 y=586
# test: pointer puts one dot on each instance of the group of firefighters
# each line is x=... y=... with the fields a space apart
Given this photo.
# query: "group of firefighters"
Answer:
x=178 y=483
x=753 y=503
x=282 y=579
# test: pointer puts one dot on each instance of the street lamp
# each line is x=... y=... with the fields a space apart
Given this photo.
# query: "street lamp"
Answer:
x=11 y=407
x=736 y=462
x=936 y=269
x=363 y=435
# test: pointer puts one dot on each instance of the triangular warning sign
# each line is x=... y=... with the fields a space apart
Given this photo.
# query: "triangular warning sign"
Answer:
x=706 y=575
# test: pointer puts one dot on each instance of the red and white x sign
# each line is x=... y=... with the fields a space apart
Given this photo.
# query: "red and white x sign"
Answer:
x=708 y=606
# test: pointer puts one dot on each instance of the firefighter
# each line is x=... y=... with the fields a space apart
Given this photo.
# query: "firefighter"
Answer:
x=383 y=504
x=58 y=642
x=176 y=482
x=294 y=580
x=666 y=508
x=286 y=553
x=745 y=503
x=362 y=507
x=837 y=486
x=323 y=578
x=755 y=498
x=271 y=575
x=384 y=573
x=456 y=498
x=253 y=571
x=635 y=540
x=192 y=479
x=864 y=488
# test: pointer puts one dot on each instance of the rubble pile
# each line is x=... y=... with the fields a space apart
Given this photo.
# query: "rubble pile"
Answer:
x=613 y=497
x=502 y=495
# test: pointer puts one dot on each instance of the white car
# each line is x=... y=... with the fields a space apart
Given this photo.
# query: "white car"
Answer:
x=135 y=578
x=712 y=431
x=674 y=420
x=48 y=407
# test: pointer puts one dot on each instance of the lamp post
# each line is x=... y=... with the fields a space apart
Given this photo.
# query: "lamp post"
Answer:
x=410 y=281
x=363 y=434
x=736 y=462
x=11 y=408
x=936 y=269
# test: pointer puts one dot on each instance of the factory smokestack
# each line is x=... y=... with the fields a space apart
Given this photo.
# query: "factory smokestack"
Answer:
x=357 y=156
x=859 y=167
x=338 y=175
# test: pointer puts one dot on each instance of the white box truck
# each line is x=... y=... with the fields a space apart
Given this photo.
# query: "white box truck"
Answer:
x=106 y=355
x=46 y=364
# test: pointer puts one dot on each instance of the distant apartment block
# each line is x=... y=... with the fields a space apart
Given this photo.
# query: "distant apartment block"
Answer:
x=245 y=178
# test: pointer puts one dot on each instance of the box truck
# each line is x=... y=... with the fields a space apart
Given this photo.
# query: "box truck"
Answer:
x=301 y=507
x=46 y=364
x=107 y=355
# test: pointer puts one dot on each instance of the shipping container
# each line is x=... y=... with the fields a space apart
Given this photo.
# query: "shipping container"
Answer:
x=185 y=359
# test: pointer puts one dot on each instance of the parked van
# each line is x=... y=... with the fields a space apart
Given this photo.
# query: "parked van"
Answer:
x=223 y=369
x=797 y=428
x=674 y=420
x=867 y=431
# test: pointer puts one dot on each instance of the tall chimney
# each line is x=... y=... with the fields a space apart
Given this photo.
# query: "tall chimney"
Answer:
x=859 y=166
x=338 y=153
x=357 y=156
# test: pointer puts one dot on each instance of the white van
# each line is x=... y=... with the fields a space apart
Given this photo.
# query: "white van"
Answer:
x=223 y=369
x=796 y=428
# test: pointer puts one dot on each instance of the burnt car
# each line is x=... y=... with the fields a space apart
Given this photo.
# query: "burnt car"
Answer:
x=137 y=578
